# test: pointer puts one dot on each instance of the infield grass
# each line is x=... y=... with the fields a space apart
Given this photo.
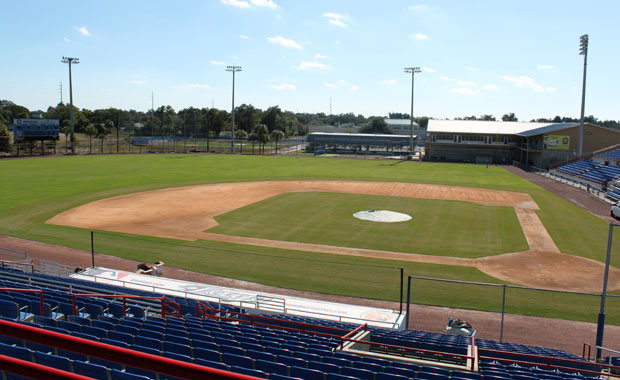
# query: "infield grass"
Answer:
x=438 y=227
x=34 y=190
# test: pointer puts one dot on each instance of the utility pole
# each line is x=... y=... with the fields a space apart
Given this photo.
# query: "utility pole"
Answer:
x=412 y=71
x=234 y=69
x=152 y=115
x=60 y=91
x=75 y=61
x=583 y=50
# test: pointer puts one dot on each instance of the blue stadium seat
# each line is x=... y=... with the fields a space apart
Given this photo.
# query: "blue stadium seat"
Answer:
x=54 y=361
x=362 y=374
x=390 y=376
x=238 y=360
x=95 y=371
x=249 y=371
x=16 y=352
x=115 y=374
x=270 y=367
x=306 y=373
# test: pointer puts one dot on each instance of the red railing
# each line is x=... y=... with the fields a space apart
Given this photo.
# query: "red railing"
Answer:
x=163 y=299
x=41 y=310
x=104 y=351
x=548 y=361
x=306 y=328
x=351 y=333
x=17 y=263
x=583 y=354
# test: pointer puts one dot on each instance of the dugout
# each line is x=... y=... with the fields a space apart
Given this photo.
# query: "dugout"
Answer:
x=358 y=143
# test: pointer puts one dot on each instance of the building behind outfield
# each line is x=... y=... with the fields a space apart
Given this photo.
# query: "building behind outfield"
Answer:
x=534 y=144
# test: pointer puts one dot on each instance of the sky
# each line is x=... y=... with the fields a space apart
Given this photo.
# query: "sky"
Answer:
x=475 y=57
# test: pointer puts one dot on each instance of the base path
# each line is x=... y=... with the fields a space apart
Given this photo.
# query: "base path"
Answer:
x=185 y=212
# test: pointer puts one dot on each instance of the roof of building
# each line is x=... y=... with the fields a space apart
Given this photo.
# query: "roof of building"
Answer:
x=357 y=135
x=403 y=122
x=524 y=129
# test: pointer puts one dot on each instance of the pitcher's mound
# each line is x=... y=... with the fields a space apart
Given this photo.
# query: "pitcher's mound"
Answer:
x=383 y=216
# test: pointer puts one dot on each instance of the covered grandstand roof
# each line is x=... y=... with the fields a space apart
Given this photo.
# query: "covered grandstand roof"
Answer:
x=524 y=129
x=403 y=122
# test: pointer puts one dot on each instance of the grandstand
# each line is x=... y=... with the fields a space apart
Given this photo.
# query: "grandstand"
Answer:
x=107 y=332
x=594 y=174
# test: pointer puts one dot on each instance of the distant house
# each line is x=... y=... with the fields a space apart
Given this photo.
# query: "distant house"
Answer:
x=403 y=127
x=536 y=144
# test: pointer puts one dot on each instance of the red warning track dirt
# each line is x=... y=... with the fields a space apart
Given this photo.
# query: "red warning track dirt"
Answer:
x=185 y=212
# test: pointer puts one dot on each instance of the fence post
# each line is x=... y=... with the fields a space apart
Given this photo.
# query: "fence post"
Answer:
x=408 y=301
x=501 y=332
x=92 y=247
x=402 y=273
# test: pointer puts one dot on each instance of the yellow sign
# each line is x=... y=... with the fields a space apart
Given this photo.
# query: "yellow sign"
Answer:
x=557 y=142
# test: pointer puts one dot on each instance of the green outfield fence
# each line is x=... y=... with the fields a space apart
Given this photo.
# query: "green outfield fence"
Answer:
x=285 y=269
x=506 y=302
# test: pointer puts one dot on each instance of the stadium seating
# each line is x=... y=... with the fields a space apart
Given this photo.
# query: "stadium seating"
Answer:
x=613 y=154
x=261 y=351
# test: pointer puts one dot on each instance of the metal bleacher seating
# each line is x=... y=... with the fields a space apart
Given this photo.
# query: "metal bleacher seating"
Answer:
x=261 y=351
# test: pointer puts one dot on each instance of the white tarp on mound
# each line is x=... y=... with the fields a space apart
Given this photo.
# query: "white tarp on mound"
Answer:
x=384 y=216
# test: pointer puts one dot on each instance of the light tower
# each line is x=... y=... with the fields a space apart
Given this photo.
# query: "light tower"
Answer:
x=75 y=61
x=412 y=71
x=234 y=69
x=583 y=50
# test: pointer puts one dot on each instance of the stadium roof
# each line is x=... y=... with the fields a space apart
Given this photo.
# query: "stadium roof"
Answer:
x=403 y=122
x=492 y=127
x=356 y=135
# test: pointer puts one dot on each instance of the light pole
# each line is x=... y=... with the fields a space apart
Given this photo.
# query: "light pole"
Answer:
x=234 y=69
x=583 y=50
x=75 y=61
x=600 y=327
x=413 y=71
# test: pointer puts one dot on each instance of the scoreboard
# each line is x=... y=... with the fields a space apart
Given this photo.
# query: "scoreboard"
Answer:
x=35 y=130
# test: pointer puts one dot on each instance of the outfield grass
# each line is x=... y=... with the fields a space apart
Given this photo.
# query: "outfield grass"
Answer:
x=439 y=227
x=34 y=190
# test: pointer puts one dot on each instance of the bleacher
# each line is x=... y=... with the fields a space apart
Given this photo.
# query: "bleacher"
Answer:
x=613 y=154
x=591 y=171
x=265 y=346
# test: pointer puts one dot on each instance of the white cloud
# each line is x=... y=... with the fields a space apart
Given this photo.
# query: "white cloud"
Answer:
x=236 y=3
x=286 y=42
x=320 y=56
x=389 y=81
x=138 y=81
x=196 y=85
x=463 y=91
x=83 y=31
x=216 y=62
x=335 y=19
x=330 y=85
x=355 y=87
x=264 y=3
x=304 y=65
x=490 y=87
x=445 y=78
x=66 y=39
x=428 y=69
x=283 y=86
x=335 y=84
x=418 y=8
x=466 y=83
x=529 y=83
x=420 y=36
x=243 y=37
x=545 y=67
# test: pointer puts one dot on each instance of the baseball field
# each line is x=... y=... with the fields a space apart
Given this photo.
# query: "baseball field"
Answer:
x=287 y=222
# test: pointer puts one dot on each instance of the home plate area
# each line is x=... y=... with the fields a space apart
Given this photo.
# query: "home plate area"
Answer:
x=252 y=302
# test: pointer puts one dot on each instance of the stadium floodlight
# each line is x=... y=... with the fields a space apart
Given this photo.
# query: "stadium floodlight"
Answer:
x=234 y=69
x=412 y=71
x=70 y=61
x=583 y=50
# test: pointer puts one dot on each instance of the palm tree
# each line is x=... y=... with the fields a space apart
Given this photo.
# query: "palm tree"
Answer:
x=90 y=131
x=262 y=135
x=277 y=135
x=240 y=134
x=102 y=137
x=66 y=130
x=253 y=138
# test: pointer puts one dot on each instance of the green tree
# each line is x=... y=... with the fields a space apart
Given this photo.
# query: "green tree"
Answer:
x=252 y=137
x=4 y=139
x=246 y=117
x=509 y=117
x=90 y=131
x=102 y=136
x=277 y=135
x=272 y=118
x=376 y=125
x=66 y=130
x=487 y=117
x=262 y=136
x=240 y=134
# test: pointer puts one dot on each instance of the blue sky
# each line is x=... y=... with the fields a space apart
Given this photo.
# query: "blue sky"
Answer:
x=476 y=57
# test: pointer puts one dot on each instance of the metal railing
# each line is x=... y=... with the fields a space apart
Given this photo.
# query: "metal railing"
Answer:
x=15 y=265
x=28 y=291
x=163 y=300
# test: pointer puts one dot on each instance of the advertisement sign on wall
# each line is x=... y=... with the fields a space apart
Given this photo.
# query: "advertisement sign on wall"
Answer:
x=556 y=142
